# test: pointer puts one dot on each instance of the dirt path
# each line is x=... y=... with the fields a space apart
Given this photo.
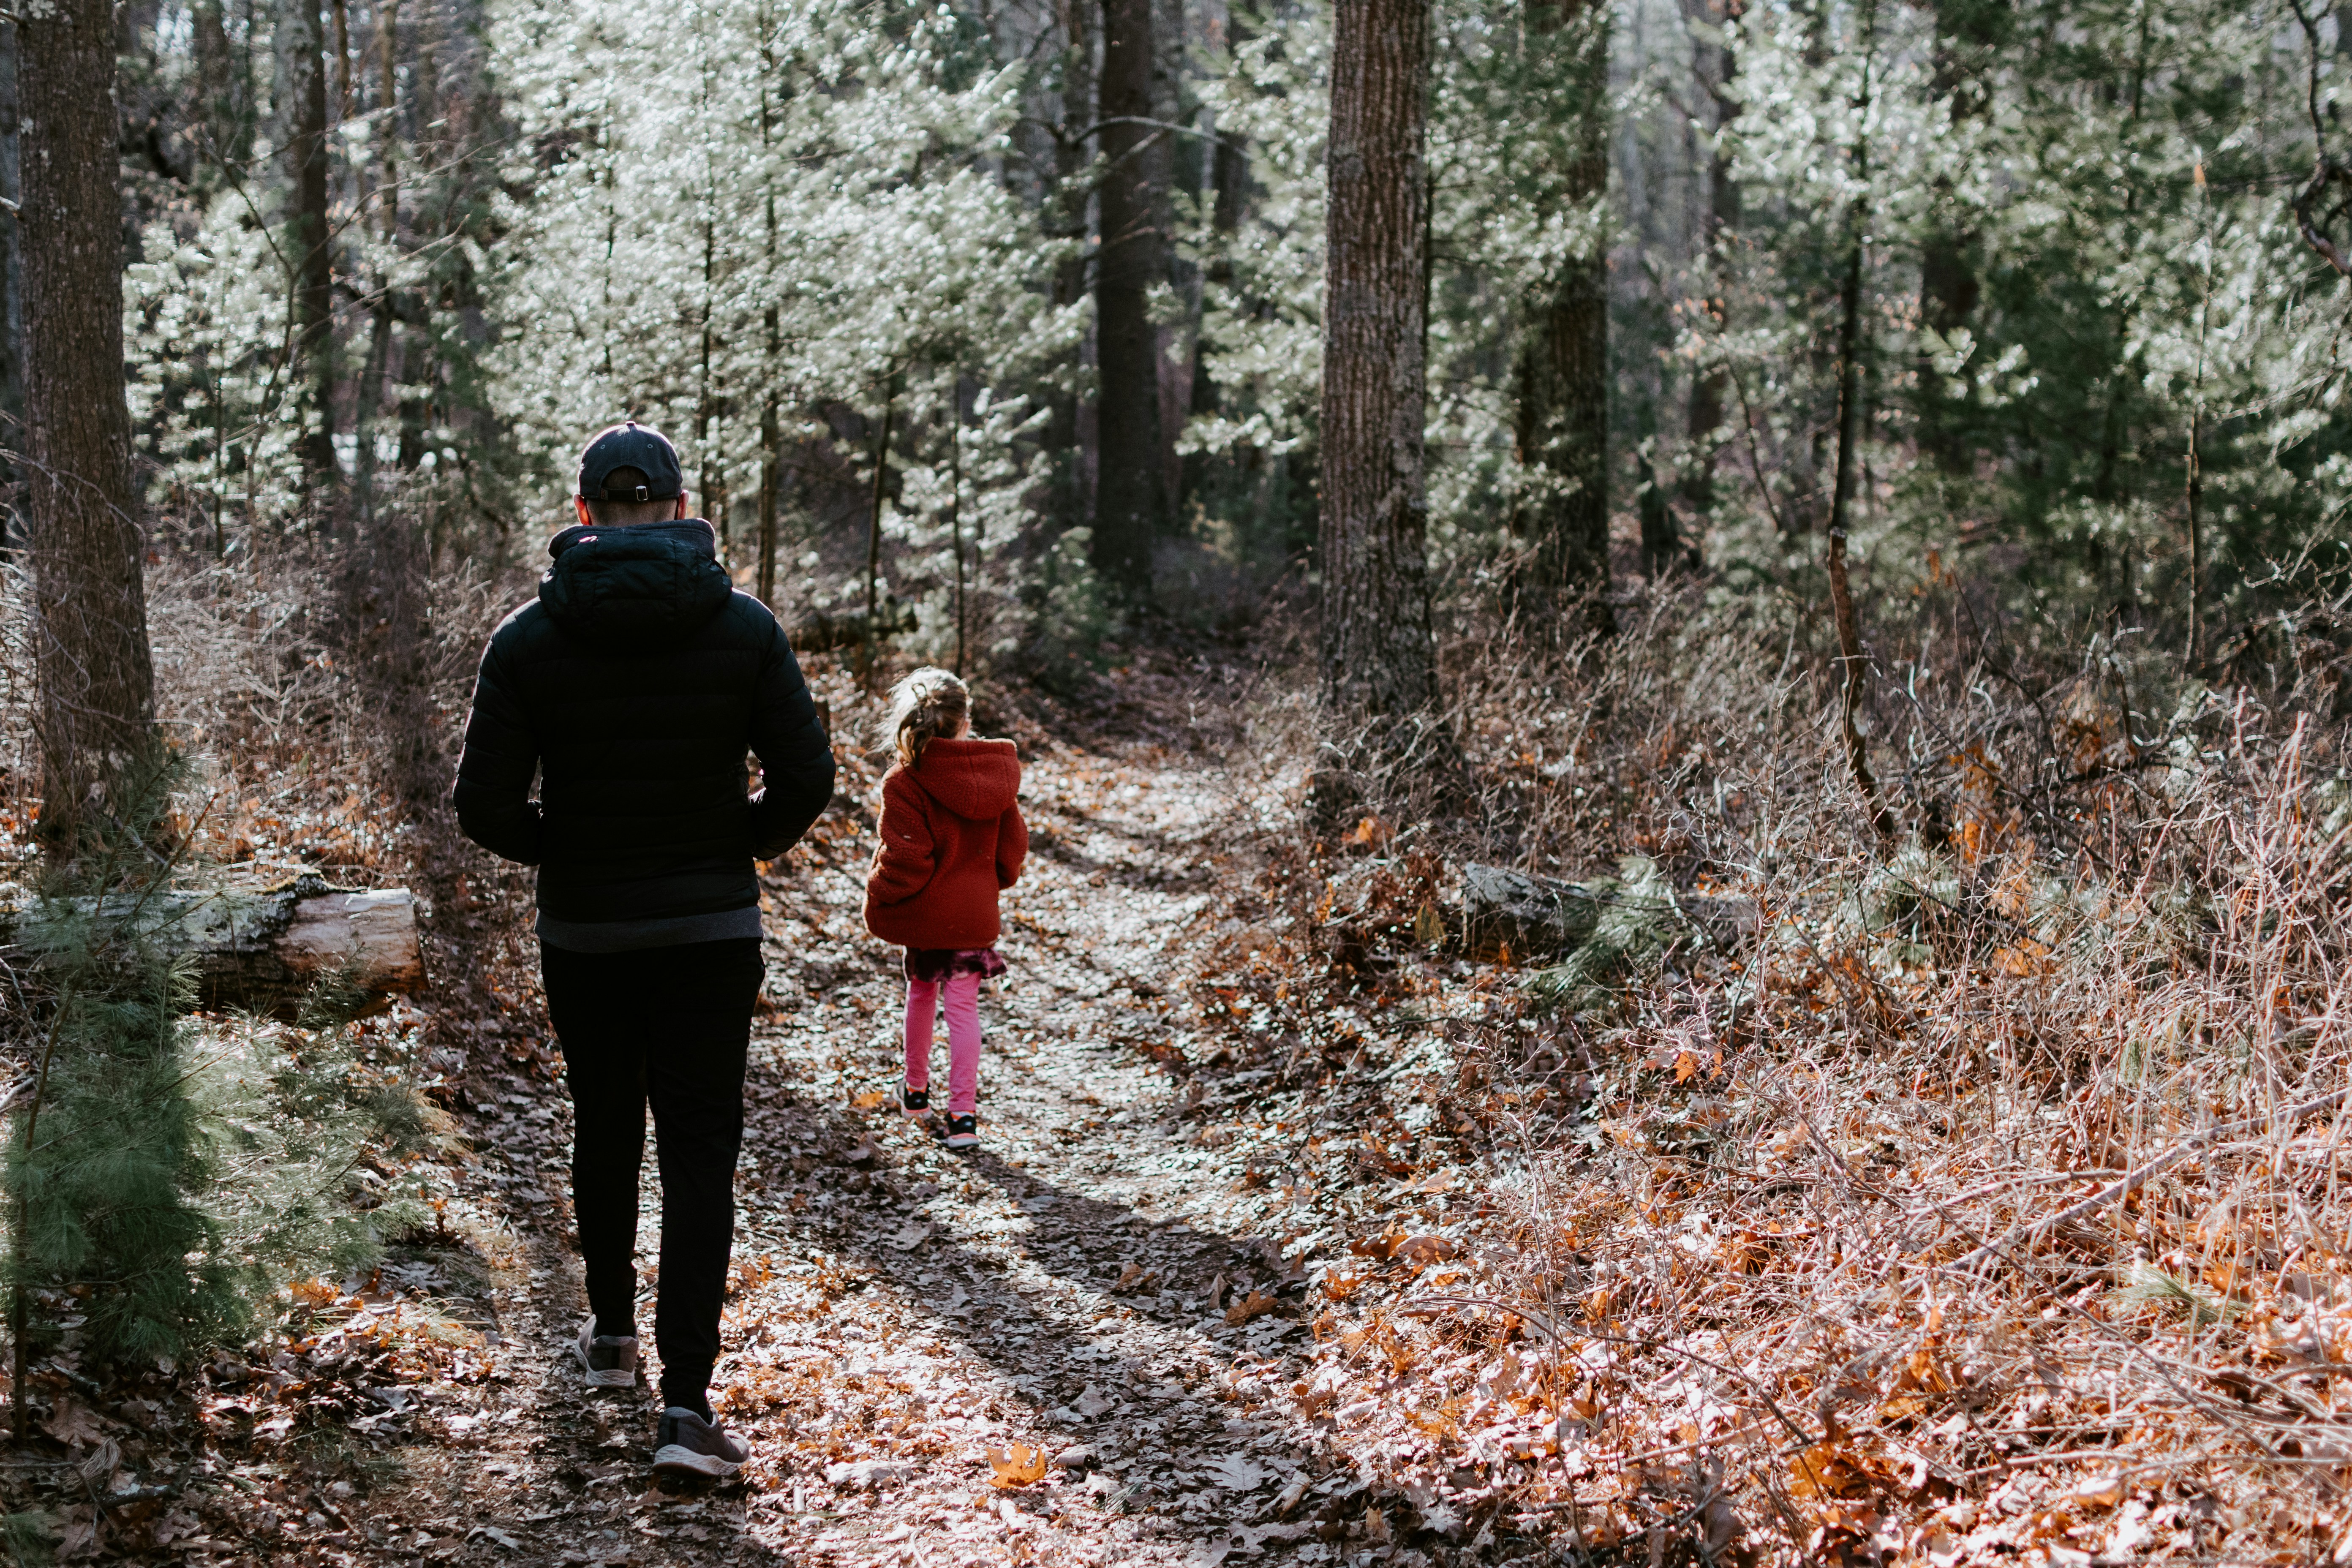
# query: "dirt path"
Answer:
x=1062 y=1296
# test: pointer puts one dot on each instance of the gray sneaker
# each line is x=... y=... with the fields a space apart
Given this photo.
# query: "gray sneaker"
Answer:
x=689 y=1446
x=609 y=1361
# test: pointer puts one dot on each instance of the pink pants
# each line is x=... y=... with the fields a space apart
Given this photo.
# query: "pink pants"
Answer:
x=963 y=1038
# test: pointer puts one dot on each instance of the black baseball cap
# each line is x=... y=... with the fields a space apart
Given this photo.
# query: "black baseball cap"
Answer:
x=631 y=446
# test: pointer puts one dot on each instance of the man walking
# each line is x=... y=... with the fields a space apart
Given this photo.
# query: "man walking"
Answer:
x=633 y=686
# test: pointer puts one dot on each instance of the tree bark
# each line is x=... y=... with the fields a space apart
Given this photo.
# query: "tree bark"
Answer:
x=12 y=260
x=1229 y=169
x=1380 y=665
x=1851 y=660
x=874 y=529
x=309 y=243
x=1073 y=195
x=89 y=603
x=1130 y=495
x=1708 y=401
x=1563 y=373
x=258 y=948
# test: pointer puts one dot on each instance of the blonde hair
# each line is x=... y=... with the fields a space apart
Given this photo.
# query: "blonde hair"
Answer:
x=926 y=706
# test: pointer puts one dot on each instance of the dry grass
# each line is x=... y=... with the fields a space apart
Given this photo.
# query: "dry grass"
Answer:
x=1986 y=1205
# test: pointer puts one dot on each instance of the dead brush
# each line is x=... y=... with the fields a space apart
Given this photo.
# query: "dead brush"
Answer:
x=1986 y=1202
x=2018 y=1225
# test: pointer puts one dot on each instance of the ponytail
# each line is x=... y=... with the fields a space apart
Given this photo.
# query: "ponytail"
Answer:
x=925 y=706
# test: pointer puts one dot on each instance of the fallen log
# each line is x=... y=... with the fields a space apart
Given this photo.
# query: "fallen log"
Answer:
x=1538 y=917
x=261 y=949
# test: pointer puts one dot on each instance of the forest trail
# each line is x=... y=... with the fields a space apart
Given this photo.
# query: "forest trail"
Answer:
x=897 y=1310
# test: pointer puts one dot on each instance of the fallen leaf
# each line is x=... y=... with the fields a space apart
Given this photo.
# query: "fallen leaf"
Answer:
x=1382 y=1246
x=1423 y=1250
x=866 y=1473
x=1237 y=1473
x=1340 y=1287
x=73 y=1422
x=1016 y=1464
x=78 y=1535
x=1256 y=1304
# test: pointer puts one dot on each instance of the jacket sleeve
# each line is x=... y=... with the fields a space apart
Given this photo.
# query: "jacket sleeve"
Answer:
x=904 y=862
x=492 y=796
x=796 y=754
x=1012 y=847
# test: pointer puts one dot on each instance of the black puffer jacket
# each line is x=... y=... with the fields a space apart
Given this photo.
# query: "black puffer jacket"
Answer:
x=635 y=684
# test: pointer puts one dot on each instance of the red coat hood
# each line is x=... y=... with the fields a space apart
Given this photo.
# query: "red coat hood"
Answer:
x=975 y=779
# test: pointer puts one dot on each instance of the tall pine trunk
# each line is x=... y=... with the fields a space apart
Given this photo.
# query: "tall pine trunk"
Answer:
x=97 y=678
x=12 y=256
x=1563 y=390
x=1717 y=64
x=1072 y=197
x=1852 y=661
x=1130 y=495
x=1380 y=665
x=311 y=244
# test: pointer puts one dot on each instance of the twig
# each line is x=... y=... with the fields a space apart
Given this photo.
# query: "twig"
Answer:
x=2116 y=1191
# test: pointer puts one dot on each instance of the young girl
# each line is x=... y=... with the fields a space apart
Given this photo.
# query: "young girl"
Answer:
x=951 y=840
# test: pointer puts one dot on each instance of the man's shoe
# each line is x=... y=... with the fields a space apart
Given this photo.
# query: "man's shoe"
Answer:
x=913 y=1101
x=609 y=1361
x=689 y=1446
x=963 y=1131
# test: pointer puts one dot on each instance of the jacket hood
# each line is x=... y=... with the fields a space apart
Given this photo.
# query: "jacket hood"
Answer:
x=646 y=586
x=975 y=779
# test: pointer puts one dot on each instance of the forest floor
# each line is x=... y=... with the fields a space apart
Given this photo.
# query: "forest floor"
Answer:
x=1300 y=1232
x=1088 y=1342
x=900 y=1311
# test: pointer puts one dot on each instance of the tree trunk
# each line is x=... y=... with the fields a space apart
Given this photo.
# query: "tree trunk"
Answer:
x=1563 y=414
x=874 y=529
x=1851 y=660
x=1130 y=496
x=1229 y=168
x=1708 y=401
x=12 y=264
x=1073 y=195
x=387 y=39
x=1380 y=665
x=311 y=244
x=97 y=680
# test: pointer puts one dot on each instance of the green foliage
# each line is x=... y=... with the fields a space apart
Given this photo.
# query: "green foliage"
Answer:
x=169 y=1177
x=2079 y=265
x=758 y=260
x=29 y=1537
x=1073 y=614
x=298 y=1128
x=1638 y=920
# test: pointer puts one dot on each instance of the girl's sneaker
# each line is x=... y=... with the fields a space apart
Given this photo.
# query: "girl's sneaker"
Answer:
x=913 y=1101
x=963 y=1131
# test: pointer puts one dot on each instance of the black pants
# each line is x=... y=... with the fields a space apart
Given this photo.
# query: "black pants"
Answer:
x=668 y=1025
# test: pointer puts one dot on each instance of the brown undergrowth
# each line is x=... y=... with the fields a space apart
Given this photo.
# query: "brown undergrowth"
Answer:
x=1981 y=1204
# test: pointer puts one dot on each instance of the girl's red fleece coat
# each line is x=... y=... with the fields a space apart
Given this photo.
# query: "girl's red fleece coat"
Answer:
x=951 y=838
